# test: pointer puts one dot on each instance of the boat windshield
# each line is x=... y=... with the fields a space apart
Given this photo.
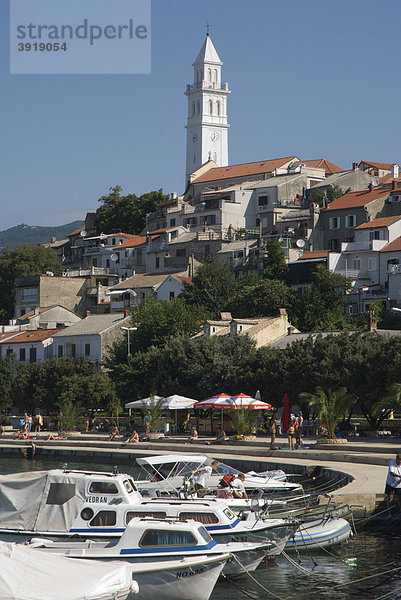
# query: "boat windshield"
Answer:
x=205 y=534
x=222 y=468
x=164 y=471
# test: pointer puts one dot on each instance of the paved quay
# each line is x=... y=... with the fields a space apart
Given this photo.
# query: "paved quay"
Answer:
x=364 y=461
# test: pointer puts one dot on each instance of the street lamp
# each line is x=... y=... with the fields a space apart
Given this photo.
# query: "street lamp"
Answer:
x=128 y=329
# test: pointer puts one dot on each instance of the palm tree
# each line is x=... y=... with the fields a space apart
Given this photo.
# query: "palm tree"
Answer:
x=330 y=406
x=155 y=412
x=244 y=420
x=391 y=400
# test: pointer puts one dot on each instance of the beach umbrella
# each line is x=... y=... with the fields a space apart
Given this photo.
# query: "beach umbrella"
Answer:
x=245 y=401
x=145 y=402
x=286 y=414
x=213 y=402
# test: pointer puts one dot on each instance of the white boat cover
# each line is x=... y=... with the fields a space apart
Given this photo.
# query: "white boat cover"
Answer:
x=29 y=574
x=40 y=500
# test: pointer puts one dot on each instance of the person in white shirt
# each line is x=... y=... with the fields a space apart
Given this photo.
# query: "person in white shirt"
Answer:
x=239 y=488
x=202 y=474
x=393 y=481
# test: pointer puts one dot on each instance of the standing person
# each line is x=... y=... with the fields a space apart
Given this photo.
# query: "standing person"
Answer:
x=291 y=435
x=239 y=487
x=393 y=481
x=39 y=422
x=30 y=422
x=273 y=434
x=301 y=423
x=202 y=474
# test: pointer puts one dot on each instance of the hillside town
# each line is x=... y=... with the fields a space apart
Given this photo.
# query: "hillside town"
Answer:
x=348 y=220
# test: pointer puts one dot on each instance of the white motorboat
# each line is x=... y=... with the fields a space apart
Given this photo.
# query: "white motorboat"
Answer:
x=165 y=474
x=320 y=533
x=150 y=540
x=26 y=574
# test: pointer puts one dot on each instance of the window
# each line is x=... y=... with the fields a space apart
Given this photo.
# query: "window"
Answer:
x=103 y=487
x=153 y=538
x=113 y=241
x=70 y=349
x=334 y=222
x=60 y=493
x=356 y=264
x=171 y=295
x=9 y=351
x=374 y=235
x=144 y=514
x=157 y=262
x=350 y=220
x=181 y=252
x=372 y=264
x=211 y=107
x=29 y=295
x=263 y=200
x=107 y=263
x=198 y=107
x=129 y=485
x=204 y=518
x=126 y=253
x=172 y=222
x=59 y=351
x=59 y=325
x=32 y=355
x=22 y=354
x=103 y=518
x=22 y=312
x=87 y=349
x=87 y=514
x=193 y=109
x=333 y=244
x=174 y=234
x=218 y=108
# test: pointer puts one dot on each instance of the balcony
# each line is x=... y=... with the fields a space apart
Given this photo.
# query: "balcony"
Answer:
x=363 y=246
x=206 y=85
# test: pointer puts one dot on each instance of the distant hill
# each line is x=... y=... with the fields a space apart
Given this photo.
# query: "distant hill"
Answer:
x=35 y=234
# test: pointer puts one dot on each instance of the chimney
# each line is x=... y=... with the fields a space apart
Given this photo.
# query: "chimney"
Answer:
x=36 y=311
x=354 y=166
x=88 y=313
x=126 y=313
x=372 y=322
x=395 y=171
x=370 y=187
x=283 y=312
x=53 y=239
x=290 y=330
x=394 y=184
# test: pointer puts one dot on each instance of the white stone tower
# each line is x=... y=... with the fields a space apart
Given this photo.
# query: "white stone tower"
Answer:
x=207 y=126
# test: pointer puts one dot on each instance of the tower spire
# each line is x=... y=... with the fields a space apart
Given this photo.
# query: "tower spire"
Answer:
x=207 y=124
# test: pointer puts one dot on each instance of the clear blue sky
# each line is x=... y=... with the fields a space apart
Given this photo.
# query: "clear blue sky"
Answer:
x=312 y=78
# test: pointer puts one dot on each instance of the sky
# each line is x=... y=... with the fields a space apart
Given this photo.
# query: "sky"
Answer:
x=313 y=79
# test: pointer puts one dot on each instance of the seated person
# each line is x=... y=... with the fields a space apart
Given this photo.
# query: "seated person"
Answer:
x=193 y=437
x=239 y=488
x=134 y=439
x=115 y=431
x=220 y=436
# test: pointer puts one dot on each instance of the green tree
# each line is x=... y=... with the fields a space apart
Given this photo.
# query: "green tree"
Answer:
x=275 y=266
x=126 y=213
x=155 y=413
x=213 y=286
x=95 y=390
x=330 y=406
x=8 y=375
x=156 y=324
x=263 y=298
x=23 y=261
x=37 y=384
x=324 y=197
x=320 y=306
x=244 y=420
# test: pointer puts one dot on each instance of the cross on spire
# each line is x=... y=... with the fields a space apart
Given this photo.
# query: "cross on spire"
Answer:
x=207 y=28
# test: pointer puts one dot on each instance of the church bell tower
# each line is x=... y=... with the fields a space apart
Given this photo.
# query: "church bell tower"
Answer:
x=207 y=126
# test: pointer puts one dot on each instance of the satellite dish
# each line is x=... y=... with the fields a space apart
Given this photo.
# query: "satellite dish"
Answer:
x=375 y=182
x=83 y=233
x=300 y=243
x=114 y=257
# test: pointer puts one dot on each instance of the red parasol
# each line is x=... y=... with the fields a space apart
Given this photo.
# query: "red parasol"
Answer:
x=286 y=414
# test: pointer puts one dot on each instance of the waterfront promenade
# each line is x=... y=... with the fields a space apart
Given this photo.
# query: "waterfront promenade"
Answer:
x=365 y=460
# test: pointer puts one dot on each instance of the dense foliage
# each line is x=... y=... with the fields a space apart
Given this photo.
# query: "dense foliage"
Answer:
x=23 y=261
x=126 y=213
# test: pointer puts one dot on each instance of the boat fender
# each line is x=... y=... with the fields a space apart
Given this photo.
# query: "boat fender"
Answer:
x=134 y=587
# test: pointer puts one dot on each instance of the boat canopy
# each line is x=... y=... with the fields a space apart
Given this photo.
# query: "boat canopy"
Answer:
x=41 y=500
x=172 y=458
x=30 y=574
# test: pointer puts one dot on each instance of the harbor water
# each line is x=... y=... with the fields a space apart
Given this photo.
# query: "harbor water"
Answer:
x=367 y=567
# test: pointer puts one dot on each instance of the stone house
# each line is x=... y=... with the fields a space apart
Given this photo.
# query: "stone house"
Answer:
x=28 y=346
x=48 y=317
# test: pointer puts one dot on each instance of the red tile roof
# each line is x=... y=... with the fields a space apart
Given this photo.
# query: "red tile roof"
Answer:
x=358 y=198
x=32 y=335
x=322 y=163
x=243 y=169
x=388 y=178
x=187 y=280
x=381 y=222
x=378 y=165
x=32 y=312
x=394 y=246
x=137 y=241
x=314 y=254
x=76 y=231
